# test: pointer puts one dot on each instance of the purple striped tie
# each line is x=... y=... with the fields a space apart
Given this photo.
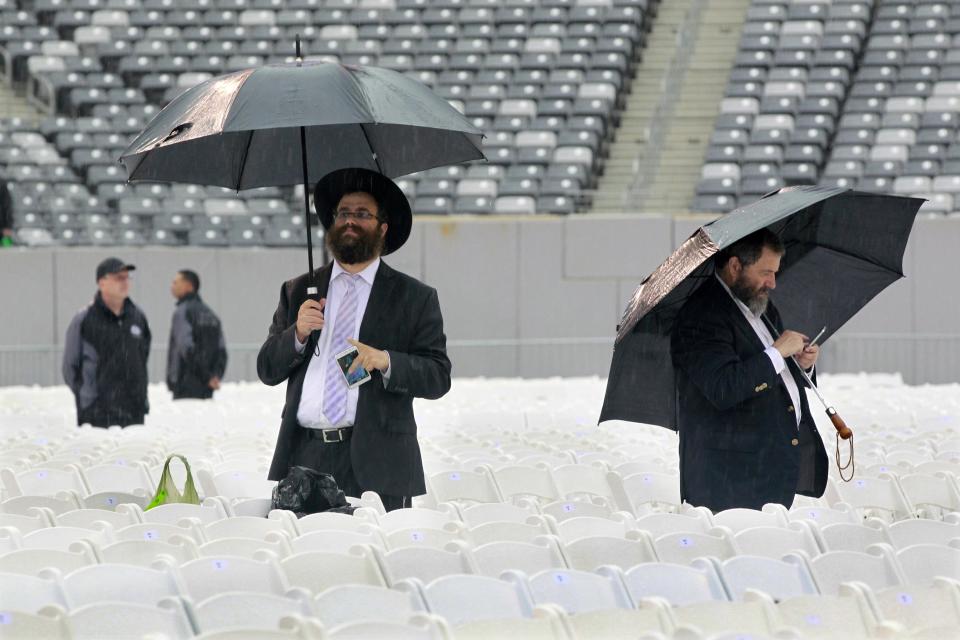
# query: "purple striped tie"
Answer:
x=335 y=387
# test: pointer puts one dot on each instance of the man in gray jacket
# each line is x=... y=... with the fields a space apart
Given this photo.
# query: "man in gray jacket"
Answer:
x=197 y=357
x=105 y=353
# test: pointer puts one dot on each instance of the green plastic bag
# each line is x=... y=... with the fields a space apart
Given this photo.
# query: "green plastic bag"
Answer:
x=167 y=491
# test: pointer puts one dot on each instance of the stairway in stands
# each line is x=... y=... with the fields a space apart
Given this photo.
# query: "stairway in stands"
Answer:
x=645 y=91
x=691 y=123
x=16 y=106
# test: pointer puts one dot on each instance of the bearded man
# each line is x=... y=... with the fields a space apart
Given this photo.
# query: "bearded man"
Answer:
x=747 y=437
x=365 y=436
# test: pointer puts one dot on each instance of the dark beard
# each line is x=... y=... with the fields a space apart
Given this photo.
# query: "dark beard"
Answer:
x=366 y=246
x=755 y=299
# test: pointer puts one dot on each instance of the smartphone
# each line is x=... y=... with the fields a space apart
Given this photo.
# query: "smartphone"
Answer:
x=344 y=359
x=817 y=337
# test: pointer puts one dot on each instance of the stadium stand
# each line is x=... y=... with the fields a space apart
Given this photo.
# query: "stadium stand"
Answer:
x=545 y=79
x=592 y=546
x=850 y=93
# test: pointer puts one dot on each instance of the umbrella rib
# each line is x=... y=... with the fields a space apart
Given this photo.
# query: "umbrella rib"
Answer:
x=366 y=101
x=243 y=160
x=373 y=153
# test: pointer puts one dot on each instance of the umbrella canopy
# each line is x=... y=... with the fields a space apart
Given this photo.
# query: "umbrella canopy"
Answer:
x=242 y=130
x=842 y=248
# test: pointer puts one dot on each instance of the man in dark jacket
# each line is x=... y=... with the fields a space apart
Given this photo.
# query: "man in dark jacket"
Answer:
x=106 y=350
x=6 y=214
x=197 y=356
x=365 y=436
x=747 y=437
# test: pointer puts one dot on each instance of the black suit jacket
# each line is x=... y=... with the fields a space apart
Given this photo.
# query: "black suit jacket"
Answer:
x=402 y=317
x=739 y=441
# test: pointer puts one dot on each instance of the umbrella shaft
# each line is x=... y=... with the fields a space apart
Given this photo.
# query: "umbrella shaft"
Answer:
x=776 y=334
x=306 y=201
x=810 y=382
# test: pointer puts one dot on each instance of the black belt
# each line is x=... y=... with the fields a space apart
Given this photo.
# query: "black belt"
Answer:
x=329 y=435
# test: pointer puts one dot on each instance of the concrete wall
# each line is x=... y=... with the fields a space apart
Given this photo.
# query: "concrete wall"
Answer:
x=521 y=296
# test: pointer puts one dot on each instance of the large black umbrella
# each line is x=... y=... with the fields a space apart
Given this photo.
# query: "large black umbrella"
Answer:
x=293 y=123
x=842 y=248
x=242 y=130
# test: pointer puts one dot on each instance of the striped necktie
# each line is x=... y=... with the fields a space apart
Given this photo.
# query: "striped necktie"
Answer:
x=335 y=387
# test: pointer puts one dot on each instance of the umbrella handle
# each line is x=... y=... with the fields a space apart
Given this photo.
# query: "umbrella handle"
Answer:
x=842 y=429
x=843 y=432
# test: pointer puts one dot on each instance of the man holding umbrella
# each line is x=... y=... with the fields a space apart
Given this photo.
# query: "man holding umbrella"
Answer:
x=747 y=436
x=701 y=349
x=364 y=435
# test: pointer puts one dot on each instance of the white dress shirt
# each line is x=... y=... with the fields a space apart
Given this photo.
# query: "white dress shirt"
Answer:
x=310 y=412
x=779 y=364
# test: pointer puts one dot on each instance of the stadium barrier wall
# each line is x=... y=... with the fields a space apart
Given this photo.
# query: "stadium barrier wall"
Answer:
x=521 y=296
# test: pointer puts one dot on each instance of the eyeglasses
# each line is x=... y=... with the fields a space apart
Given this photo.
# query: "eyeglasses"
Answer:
x=361 y=215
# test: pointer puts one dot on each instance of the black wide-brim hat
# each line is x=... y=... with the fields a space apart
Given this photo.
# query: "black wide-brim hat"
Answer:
x=393 y=203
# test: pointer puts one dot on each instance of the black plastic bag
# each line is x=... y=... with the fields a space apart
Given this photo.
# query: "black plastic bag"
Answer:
x=305 y=491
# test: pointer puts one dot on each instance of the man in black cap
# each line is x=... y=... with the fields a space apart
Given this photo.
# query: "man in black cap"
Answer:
x=365 y=436
x=105 y=354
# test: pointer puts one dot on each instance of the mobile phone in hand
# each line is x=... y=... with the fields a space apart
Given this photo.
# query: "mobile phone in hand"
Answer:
x=344 y=359
x=813 y=342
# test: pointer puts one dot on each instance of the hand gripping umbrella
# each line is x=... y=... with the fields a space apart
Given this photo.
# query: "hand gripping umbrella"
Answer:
x=293 y=123
x=842 y=248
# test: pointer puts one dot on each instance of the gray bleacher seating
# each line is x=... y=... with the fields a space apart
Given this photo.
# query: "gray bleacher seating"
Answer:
x=554 y=70
x=873 y=89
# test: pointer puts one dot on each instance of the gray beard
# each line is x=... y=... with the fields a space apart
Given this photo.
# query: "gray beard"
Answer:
x=756 y=302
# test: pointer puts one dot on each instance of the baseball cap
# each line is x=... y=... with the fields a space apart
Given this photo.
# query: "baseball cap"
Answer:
x=112 y=265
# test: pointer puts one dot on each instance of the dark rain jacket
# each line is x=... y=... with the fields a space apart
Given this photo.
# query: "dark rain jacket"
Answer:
x=197 y=349
x=6 y=207
x=739 y=441
x=105 y=364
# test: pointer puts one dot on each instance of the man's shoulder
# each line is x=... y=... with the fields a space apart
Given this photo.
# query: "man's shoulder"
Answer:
x=303 y=280
x=300 y=279
x=404 y=280
x=707 y=294
x=295 y=289
x=390 y=272
x=709 y=303
x=136 y=311
x=81 y=314
x=300 y=282
x=200 y=306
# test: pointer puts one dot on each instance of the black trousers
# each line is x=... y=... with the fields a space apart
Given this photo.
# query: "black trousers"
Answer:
x=98 y=417
x=334 y=458
x=193 y=394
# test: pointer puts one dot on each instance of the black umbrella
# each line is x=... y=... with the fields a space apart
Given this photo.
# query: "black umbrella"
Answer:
x=842 y=248
x=293 y=123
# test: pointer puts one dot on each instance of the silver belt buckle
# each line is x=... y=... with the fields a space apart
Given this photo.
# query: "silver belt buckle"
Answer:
x=339 y=437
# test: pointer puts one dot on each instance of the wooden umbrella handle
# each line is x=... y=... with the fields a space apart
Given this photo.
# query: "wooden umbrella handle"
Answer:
x=843 y=431
x=839 y=424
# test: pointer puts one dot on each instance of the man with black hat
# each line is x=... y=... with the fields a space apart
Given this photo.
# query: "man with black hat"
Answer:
x=365 y=436
x=105 y=354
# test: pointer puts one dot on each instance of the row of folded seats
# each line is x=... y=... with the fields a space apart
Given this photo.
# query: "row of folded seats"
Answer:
x=859 y=98
x=546 y=79
x=707 y=599
x=588 y=566
x=784 y=96
x=69 y=207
